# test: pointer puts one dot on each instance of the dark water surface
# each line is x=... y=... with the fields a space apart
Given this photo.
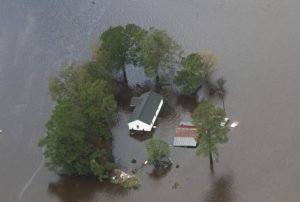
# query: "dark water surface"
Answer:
x=258 y=45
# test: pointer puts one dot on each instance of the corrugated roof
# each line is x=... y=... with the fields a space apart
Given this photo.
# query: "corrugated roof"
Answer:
x=186 y=131
x=146 y=108
x=185 y=142
x=185 y=135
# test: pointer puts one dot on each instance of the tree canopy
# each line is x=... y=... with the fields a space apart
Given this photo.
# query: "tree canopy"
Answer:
x=191 y=77
x=78 y=133
x=159 y=51
x=156 y=150
x=210 y=61
x=122 y=46
x=72 y=76
x=207 y=118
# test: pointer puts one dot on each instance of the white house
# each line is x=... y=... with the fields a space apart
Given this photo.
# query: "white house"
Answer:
x=146 y=109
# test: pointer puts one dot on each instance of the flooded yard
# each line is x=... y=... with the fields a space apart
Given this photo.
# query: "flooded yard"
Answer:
x=258 y=46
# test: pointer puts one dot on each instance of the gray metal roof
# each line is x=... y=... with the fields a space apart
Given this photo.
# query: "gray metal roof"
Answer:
x=146 y=107
x=135 y=101
x=184 y=142
x=186 y=123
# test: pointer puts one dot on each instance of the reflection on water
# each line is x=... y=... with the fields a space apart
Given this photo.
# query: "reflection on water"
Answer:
x=77 y=189
x=158 y=173
x=221 y=189
x=142 y=136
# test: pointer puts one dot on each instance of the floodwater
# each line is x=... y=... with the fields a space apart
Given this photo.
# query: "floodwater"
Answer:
x=258 y=45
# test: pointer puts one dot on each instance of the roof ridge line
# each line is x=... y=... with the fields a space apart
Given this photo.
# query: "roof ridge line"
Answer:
x=146 y=100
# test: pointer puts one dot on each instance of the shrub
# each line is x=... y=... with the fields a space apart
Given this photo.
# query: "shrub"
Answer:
x=175 y=185
x=134 y=170
x=132 y=182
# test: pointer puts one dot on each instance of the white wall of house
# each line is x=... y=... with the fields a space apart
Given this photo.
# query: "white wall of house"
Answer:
x=141 y=126
x=156 y=113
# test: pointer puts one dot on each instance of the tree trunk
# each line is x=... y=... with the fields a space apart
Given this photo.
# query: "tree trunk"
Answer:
x=211 y=161
x=223 y=103
x=157 y=79
x=124 y=75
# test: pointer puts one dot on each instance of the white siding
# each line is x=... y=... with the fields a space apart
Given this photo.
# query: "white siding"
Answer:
x=139 y=125
x=156 y=113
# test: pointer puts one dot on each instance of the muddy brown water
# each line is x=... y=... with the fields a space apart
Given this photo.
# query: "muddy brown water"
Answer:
x=258 y=45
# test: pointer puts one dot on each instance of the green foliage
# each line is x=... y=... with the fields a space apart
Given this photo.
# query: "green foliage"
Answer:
x=114 y=42
x=102 y=172
x=72 y=76
x=210 y=61
x=66 y=148
x=220 y=82
x=175 y=185
x=156 y=150
x=119 y=46
x=131 y=182
x=160 y=52
x=192 y=75
x=207 y=119
x=78 y=132
x=133 y=170
x=217 y=88
x=98 y=105
x=133 y=161
x=95 y=70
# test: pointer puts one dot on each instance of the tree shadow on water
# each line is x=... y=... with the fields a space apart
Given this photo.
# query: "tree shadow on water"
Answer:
x=158 y=173
x=142 y=136
x=221 y=189
x=75 y=189
x=123 y=93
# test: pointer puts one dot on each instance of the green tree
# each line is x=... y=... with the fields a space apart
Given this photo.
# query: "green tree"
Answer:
x=192 y=75
x=156 y=150
x=72 y=76
x=122 y=45
x=78 y=140
x=207 y=119
x=67 y=150
x=98 y=105
x=160 y=52
x=210 y=61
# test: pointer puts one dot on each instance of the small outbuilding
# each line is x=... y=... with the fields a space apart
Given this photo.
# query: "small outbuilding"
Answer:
x=185 y=135
x=146 y=110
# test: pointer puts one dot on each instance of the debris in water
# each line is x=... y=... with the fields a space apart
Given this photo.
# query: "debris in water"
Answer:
x=177 y=166
x=235 y=124
x=125 y=180
x=175 y=185
x=223 y=123
x=0 y=131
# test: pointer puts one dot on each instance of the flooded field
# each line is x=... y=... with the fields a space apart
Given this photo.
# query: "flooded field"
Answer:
x=258 y=46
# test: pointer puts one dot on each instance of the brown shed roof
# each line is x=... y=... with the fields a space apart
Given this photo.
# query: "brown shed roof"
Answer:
x=186 y=131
